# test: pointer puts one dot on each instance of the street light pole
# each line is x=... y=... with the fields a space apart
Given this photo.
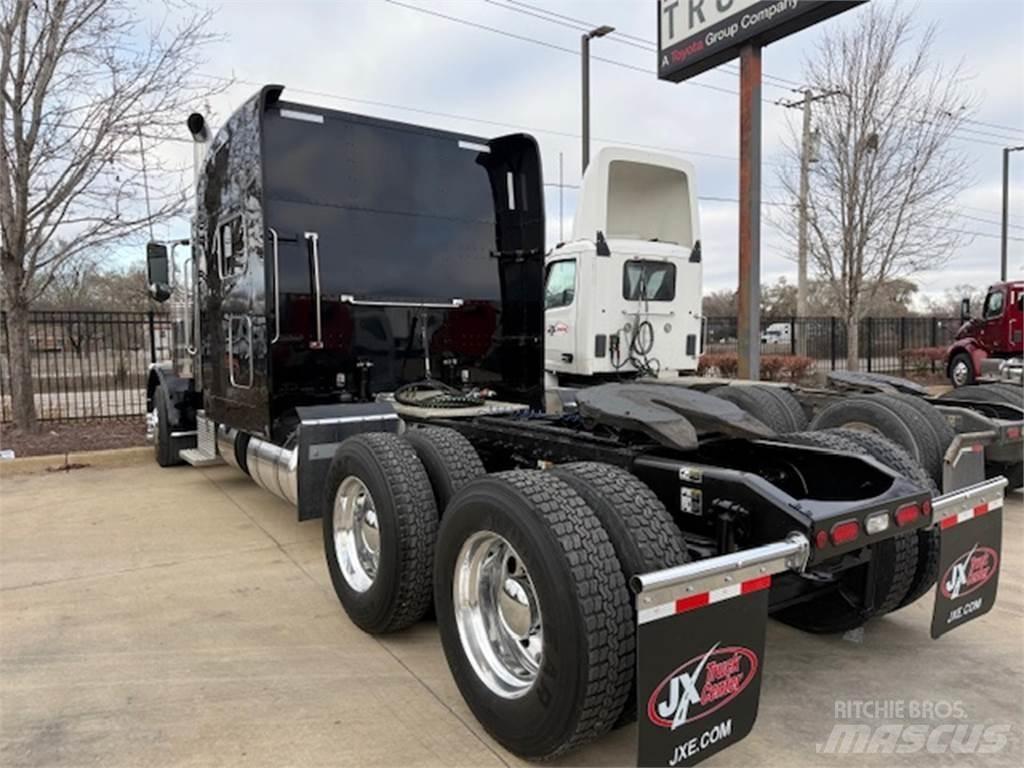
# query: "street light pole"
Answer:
x=1006 y=208
x=585 y=77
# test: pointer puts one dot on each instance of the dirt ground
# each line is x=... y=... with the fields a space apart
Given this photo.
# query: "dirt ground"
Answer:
x=182 y=617
x=74 y=436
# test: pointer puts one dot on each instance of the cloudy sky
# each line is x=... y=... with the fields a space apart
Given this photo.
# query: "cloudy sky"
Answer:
x=403 y=60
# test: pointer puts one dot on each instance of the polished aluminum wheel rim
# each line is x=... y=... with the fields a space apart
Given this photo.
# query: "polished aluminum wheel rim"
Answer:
x=356 y=534
x=960 y=373
x=498 y=615
x=152 y=425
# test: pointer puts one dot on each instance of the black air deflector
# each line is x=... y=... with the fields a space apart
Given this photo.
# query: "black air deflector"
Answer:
x=517 y=190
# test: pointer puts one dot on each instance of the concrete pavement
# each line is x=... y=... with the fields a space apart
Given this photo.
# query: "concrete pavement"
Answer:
x=182 y=617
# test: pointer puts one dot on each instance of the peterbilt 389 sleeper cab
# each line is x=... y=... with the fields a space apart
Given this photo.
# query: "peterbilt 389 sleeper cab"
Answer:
x=360 y=329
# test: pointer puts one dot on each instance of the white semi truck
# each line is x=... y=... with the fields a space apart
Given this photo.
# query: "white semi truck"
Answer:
x=623 y=302
x=623 y=296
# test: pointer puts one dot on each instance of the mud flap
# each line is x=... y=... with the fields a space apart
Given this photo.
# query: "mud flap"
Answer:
x=700 y=651
x=970 y=548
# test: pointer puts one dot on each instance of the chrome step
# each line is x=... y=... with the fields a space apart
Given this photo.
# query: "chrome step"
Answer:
x=205 y=452
x=198 y=458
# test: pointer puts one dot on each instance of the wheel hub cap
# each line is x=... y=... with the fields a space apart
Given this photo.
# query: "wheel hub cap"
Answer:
x=960 y=373
x=356 y=534
x=497 y=614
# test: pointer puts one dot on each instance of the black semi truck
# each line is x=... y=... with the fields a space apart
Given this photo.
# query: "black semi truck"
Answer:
x=360 y=329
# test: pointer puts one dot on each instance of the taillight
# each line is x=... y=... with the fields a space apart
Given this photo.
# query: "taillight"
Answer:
x=1013 y=433
x=907 y=515
x=926 y=509
x=845 y=532
x=821 y=539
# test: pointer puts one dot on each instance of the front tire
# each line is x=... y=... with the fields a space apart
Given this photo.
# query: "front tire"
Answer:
x=167 y=454
x=533 y=612
x=961 y=370
x=380 y=524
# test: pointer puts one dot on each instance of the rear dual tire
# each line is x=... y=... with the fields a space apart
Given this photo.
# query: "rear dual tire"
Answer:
x=912 y=424
x=773 y=406
x=579 y=682
x=379 y=526
x=867 y=590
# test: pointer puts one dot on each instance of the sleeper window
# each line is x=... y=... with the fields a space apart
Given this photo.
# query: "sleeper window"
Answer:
x=649 y=281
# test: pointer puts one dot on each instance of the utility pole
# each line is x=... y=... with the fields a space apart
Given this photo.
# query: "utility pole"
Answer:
x=1006 y=208
x=561 y=186
x=585 y=77
x=806 y=158
x=805 y=172
x=748 y=300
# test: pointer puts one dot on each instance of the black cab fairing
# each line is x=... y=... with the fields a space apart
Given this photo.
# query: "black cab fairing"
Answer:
x=341 y=251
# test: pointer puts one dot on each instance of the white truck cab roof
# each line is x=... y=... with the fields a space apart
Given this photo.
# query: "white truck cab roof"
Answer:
x=623 y=296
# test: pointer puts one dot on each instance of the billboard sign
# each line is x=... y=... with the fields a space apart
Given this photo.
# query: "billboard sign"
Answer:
x=696 y=35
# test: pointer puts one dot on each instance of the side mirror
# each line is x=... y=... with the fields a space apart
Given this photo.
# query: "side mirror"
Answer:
x=965 y=309
x=158 y=272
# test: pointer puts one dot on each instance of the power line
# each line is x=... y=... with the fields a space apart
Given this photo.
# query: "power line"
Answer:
x=520 y=127
x=635 y=40
x=987 y=221
x=484 y=121
x=583 y=25
x=553 y=46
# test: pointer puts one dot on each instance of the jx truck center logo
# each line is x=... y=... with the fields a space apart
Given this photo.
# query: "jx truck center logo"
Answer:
x=701 y=686
x=558 y=329
x=970 y=572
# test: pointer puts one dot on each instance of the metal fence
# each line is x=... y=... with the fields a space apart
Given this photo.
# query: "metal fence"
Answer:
x=93 y=365
x=894 y=345
x=87 y=365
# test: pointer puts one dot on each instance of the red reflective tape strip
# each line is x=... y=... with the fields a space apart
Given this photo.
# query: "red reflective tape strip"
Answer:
x=947 y=522
x=756 y=585
x=981 y=509
x=684 y=604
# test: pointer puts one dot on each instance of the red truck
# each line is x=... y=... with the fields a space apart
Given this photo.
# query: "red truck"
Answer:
x=990 y=346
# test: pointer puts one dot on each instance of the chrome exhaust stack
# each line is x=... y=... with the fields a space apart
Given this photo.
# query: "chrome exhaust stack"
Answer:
x=274 y=468
x=271 y=467
x=226 y=437
x=200 y=143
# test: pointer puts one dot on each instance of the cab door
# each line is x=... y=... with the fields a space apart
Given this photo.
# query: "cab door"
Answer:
x=993 y=329
x=561 y=283
x=1014 y=320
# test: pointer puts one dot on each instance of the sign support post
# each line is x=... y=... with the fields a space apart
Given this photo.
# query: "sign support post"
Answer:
x=695 y=36
x=749 y=296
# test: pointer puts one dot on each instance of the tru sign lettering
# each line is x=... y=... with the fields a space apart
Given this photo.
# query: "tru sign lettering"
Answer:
x=690 y=16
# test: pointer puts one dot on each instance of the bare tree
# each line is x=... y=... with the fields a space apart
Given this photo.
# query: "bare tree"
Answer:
x=883 y=191
x=89 y=97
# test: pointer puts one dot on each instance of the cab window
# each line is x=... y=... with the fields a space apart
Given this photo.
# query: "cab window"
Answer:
x=560 y=284
x=648 y=281
x=993 y=305
x=229 y=247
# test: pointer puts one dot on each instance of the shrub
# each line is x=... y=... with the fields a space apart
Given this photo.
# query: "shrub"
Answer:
x=725 y=364
x=773 y=367
x=922 y=359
